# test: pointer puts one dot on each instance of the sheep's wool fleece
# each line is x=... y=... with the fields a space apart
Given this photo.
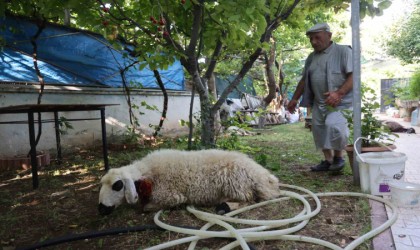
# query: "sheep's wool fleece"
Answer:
x=205 y=177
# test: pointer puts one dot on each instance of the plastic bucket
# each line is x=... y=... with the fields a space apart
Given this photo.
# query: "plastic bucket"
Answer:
x=405 y=194
x=378 y=169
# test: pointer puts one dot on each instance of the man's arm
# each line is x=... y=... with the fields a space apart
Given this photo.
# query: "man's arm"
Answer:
x=334 y=97
x=347 y=86
x=298 y=93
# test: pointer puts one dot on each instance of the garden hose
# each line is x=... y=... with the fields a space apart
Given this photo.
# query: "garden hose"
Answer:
x=261 y=230
x=96 y=234
x=257 y=234
x=89 y=235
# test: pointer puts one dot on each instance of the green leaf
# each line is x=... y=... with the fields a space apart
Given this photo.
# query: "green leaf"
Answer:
x=142 y=66
x=362 y=13
x=384 y=5
x=100 y=243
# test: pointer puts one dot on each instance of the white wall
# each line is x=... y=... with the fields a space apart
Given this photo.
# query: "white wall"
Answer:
x=14 y=138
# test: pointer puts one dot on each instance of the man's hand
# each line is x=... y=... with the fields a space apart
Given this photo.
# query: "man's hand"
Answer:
x=333 y=98
x=291 y=106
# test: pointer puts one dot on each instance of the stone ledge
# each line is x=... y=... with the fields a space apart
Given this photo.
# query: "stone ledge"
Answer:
x=383 y=241
x=23 y=162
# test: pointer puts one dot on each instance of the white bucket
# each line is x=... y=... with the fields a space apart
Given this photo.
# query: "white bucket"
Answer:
x=405 y=194
x=378 y=169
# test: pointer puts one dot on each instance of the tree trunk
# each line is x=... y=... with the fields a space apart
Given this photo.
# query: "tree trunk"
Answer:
x=271 y=83
x=207 y=117
x=165 y=102
x=213 y=93
x=270 y=59
x=261 y=121
x=207 y=124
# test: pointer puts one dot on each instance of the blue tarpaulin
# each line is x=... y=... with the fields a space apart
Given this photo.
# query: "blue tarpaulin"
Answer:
x=68 y=56
x=245 y=86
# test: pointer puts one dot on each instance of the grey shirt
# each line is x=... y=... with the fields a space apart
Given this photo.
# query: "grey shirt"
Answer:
x=326 y=71
x=318 y=77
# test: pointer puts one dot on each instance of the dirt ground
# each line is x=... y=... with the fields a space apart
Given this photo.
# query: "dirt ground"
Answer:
x=66 y=204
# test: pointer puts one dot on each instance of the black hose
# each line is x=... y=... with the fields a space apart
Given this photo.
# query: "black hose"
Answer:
x=90 y=235
x=96 y=234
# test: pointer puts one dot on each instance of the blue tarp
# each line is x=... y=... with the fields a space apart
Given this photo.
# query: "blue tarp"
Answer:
x=245 y=86
x=69 y=56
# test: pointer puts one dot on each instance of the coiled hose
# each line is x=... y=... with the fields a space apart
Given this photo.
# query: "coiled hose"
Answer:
x=261 y=230
x=265 y=229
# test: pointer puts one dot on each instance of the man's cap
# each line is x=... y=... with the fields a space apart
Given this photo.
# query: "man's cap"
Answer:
x=319 y=27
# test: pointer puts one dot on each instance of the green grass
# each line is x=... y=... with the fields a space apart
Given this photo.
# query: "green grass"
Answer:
x=290 y=152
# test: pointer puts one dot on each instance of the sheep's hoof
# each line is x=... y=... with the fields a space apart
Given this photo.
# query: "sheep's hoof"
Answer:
x=222 y=208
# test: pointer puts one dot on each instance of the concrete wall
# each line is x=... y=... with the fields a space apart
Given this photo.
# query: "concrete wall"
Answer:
x=14 y=138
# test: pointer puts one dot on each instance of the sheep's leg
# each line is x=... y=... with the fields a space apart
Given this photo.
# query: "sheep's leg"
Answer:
x=151 y=207
x=164 y=201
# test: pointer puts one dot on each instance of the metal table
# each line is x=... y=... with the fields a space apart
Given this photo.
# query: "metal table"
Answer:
x=31 y=109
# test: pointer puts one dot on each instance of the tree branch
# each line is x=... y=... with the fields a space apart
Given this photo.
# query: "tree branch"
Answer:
x=165 y=102
x=277 y=20
x=269 y=62
x=213 y=61
x=195 y=31
x=245 y=68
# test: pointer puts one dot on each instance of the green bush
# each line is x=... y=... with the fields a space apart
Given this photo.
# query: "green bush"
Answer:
x=401 y=91
x=415 y=85
x=371 y=127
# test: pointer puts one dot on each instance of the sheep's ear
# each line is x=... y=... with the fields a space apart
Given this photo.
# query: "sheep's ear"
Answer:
x=130 y=191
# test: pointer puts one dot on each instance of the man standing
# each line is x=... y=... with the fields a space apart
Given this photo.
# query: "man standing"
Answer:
x=326 y=86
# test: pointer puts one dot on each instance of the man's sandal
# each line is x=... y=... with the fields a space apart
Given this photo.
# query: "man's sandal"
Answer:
x=323 y=166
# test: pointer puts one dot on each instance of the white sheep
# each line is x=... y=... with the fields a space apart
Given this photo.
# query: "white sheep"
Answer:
x=168 y=178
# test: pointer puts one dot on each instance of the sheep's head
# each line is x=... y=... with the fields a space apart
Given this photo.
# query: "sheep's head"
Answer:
x=114 y=188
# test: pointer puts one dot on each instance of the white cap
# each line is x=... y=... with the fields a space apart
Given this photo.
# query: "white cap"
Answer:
x=319 y=27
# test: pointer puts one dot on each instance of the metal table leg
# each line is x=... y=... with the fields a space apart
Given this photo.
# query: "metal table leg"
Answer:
x=104 y=143
x=34 y=162
x=57 y=137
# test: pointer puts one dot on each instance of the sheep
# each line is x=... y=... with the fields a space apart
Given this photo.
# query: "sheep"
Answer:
x=169 y=178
